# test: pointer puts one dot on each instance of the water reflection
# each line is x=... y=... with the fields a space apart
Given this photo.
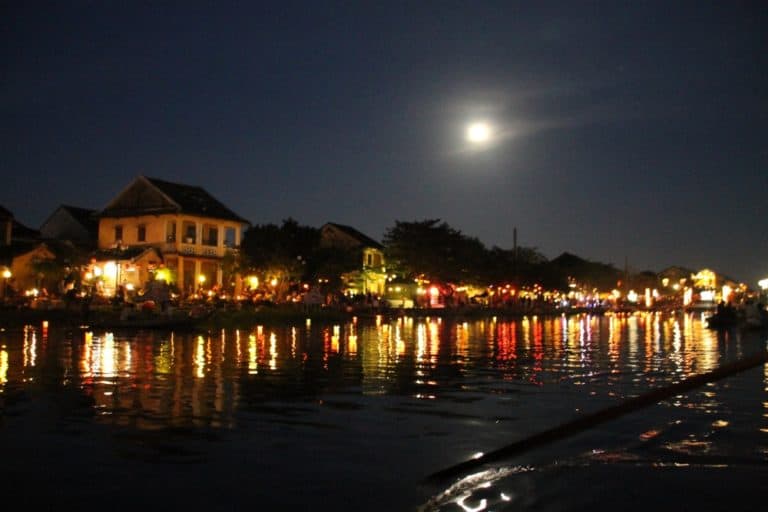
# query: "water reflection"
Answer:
x=452 y=386
x=175 y=376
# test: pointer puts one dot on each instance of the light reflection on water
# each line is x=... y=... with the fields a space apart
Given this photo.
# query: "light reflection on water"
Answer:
x=454 y=388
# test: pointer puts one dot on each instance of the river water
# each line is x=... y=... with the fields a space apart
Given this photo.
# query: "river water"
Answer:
x=355 y=416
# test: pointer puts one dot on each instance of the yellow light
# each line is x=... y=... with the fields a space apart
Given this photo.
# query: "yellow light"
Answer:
x=763 y=284
x=7 y=274
x=253 y=281
x=97 y=271
x=726 y=292
x=163 y=274
x=88 y=276
x=3 y=366
x=687 y=296
x=110 y=268
x=434 y=291
x=273 y=282
x=201 y=278
x=478 y=132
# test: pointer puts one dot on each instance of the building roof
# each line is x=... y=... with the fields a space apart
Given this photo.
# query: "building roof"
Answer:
x=21 y=232
x=9 y=252
x=85 y=216
x=5 y=214
x=187 y=199
x=364 y=240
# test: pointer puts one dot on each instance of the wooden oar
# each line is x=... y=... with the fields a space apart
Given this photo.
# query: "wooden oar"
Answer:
x=590 y=420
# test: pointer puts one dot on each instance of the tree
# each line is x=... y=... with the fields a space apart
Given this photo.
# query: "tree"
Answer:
x=521 y=267
x=279 y=252
x=556 y=273
x=435 y=250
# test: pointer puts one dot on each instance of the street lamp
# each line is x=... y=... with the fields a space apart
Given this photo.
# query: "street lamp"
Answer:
x=6 y=276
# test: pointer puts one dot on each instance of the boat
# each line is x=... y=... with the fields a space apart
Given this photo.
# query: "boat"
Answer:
x=722 y=320
x=168 y=320
x=750 y=316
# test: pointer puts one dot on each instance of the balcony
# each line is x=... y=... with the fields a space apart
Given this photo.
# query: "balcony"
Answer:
x=189 y=249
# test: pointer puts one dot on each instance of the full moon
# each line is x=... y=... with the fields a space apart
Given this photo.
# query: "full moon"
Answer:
x=478 y=133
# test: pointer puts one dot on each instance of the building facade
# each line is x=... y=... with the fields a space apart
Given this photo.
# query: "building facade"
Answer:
x=371 y=277
x=192 y=232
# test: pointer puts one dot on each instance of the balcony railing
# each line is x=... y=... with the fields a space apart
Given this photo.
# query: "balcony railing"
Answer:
x=191 y=249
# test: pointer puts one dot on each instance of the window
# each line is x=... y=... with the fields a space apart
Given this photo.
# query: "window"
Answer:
x=211 y=235
x=190 y=233
x=170 y=231
x=141 y=235
x=118 y=233
x=229 y=238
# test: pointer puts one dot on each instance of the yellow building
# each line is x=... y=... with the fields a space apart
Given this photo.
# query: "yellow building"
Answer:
x=371 y=276
x=191 y=231
x=17 y=267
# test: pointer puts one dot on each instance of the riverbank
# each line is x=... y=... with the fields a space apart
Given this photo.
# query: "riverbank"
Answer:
x=207 y=318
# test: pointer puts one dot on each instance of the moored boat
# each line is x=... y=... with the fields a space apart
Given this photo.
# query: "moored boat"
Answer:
x=751 y=316
x=171 y=319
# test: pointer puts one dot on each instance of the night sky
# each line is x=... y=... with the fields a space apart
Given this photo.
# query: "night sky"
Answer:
x=619 y=130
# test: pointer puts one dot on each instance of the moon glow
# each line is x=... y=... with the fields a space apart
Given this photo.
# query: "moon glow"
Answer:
x=478 y=133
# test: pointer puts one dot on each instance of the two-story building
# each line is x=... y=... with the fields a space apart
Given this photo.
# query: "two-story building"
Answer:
x=179 y=233
x=371 y=276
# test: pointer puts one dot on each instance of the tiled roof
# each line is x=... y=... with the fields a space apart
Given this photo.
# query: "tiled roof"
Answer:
x=85 y=216
x=195 y=200
x=363 y=239
x=8 y=252
x=21 y=232
x=177 y=198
